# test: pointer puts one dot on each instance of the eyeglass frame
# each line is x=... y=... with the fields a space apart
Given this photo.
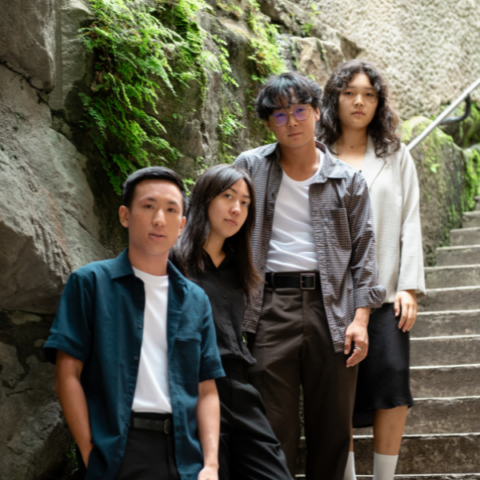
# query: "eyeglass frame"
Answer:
x=291 y=113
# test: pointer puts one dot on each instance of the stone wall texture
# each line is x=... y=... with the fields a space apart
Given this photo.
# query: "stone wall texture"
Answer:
x=58 y=210
x=428 y=50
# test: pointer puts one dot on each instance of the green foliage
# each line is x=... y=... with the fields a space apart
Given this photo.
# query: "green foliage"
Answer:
x=227 y=128
x=139 y=54
x=313 y=14
x=264 y=50
x=223 y=64
x=472 y=177
x=469 y=129
x=234 y=11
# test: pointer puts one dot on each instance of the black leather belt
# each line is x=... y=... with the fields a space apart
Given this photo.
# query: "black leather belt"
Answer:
x=165 y=425
x=301 y=280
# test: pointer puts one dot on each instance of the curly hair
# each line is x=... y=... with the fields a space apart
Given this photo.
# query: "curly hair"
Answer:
x=382 y=128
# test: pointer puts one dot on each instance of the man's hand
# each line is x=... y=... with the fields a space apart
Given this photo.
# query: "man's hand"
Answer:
x=208 y=473
x=357 y=333
x=406 y=302
x=71 y=396
x=85 y=452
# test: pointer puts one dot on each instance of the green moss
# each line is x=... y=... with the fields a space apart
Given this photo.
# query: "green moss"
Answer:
x=140 y=53
x=264 y=51
x=227 y=129
x=472 y=177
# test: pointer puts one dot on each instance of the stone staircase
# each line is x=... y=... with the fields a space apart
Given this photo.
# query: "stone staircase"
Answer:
x=442 y=434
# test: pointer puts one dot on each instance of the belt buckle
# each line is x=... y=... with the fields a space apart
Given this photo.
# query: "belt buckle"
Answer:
x=307 y=275
x=272 y=279
x=166 y=426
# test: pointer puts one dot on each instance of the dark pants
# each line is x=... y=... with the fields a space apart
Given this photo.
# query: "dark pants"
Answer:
x=248 y=447
x=149 y=455
x=293 y=347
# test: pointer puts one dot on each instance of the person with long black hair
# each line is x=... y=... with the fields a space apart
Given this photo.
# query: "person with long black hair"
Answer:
x=359 y=126
x=214 y=251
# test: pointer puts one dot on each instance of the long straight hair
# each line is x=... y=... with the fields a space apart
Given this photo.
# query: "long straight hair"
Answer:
x=188 y=253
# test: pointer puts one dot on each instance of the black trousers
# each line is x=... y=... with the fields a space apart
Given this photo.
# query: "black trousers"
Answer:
x=149 y=455
x=293 y=346
x=249 y=449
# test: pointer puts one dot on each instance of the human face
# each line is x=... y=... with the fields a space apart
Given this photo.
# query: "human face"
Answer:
x=358 y=103
x=228 y=211
x=295 y=133
x=155 y=219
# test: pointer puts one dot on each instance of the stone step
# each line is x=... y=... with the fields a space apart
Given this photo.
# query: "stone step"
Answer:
x=465 y=236
x=445 y=381
x=419 y=454
x=450 y=350
x=440 y=415
x=439 y=324
x=456 y=256
x=457 y=298
x=452 y=276
x=471 y=219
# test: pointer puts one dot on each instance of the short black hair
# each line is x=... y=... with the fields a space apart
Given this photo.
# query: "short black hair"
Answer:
x=151 y=173
x=279 y=92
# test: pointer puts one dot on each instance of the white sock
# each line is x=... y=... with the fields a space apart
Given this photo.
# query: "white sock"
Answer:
x=350 y=468
x=384 y=466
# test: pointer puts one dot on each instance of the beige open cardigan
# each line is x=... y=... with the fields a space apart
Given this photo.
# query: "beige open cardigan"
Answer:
x=394 y=192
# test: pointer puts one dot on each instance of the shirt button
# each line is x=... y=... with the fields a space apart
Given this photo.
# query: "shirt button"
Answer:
x=135 y=358
x=229 y=323
x=224 y=295
x=131 y=390
x=139 y=326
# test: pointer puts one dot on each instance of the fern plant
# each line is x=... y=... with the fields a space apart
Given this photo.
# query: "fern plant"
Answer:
x=139 y=54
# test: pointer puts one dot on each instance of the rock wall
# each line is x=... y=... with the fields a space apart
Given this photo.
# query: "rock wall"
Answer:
x=429 y=50
x=58 y=210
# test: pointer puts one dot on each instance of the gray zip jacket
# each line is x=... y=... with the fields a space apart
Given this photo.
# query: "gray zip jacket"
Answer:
x=342 y=221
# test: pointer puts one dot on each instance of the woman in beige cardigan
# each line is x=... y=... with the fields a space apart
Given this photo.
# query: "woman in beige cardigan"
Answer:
x=359 y=126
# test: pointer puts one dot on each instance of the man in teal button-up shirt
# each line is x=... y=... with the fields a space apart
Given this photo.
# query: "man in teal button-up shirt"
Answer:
x=96 y=341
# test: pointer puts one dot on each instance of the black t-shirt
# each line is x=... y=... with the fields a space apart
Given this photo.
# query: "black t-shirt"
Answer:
x=224 y=289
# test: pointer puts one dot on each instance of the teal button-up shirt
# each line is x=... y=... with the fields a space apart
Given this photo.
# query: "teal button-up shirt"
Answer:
x=100 y=322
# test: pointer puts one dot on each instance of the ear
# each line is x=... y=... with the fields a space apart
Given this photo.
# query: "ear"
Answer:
x=267 y=124
x=124 y=215
x=317 y=114
x=182 y=226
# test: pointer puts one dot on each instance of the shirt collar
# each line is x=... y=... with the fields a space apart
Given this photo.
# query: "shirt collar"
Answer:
x=122 y=268
x=331 y=168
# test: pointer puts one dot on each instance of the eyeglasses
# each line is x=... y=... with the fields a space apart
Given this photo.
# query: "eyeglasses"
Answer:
x=281 y=117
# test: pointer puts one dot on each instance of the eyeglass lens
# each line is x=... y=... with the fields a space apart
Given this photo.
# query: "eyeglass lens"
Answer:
x=300 y=113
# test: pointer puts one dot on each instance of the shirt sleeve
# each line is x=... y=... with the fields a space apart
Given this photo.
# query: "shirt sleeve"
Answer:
x=412 y=275
x=242 y=162
x=211 y=363
x=71 y=331
x=363 y=263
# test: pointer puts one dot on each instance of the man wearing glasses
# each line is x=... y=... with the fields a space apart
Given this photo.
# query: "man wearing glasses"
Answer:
x=314 y=244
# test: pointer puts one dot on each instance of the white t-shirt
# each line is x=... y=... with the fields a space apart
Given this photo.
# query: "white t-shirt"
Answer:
x=152 y=393
x=292 y=245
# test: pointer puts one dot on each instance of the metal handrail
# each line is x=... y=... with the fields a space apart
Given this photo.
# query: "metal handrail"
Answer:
x=443 y=115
